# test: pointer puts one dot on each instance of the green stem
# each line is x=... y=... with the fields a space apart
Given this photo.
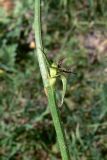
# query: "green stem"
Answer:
x=58 y=124
x=50 y=90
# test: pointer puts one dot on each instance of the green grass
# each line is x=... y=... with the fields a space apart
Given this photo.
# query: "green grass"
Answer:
x=23 y=124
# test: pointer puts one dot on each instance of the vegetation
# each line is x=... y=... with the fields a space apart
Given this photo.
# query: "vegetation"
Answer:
x=75 y=31
x=49 y=75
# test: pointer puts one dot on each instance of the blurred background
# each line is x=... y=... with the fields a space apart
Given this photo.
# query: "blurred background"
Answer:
x=73 y=30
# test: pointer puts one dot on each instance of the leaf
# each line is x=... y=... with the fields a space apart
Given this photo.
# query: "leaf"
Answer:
x=8 y=53
x=78 y=136
x=64 y=83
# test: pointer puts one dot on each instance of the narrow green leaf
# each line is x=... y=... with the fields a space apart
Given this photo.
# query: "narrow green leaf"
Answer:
x=64 y=83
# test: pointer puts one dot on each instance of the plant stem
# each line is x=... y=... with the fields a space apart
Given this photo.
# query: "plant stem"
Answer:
x=58 y=124
x=50 y=90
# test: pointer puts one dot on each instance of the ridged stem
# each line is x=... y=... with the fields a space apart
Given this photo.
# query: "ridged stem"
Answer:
x=49 y=89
